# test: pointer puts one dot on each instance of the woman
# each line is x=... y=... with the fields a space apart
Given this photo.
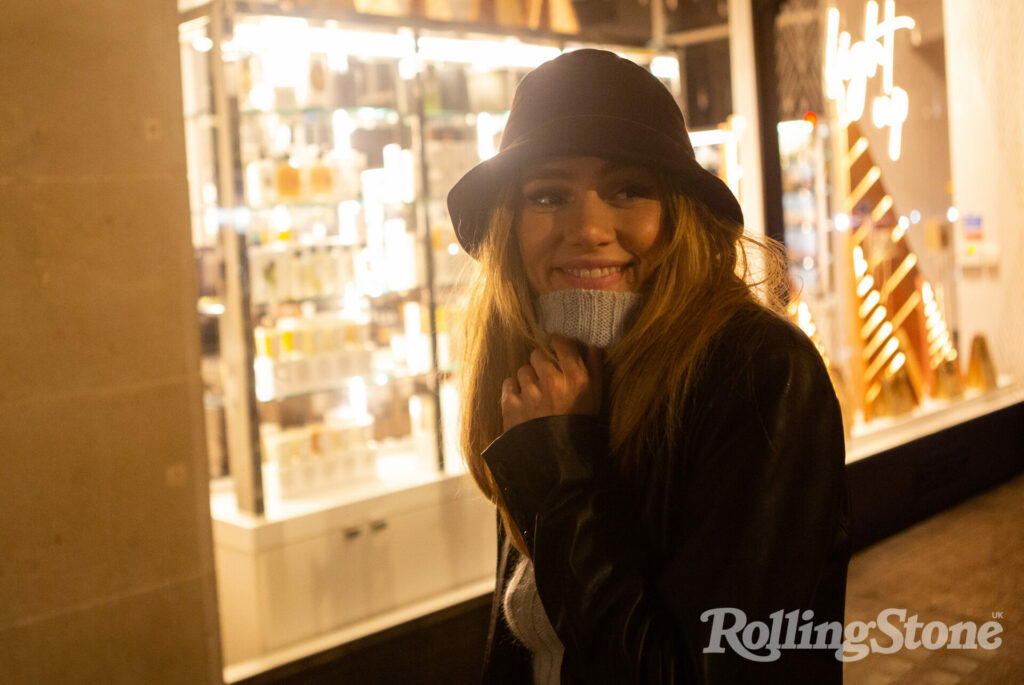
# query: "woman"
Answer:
x=695 y=465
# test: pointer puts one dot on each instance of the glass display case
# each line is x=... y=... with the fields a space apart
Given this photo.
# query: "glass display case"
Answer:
x=320 y=155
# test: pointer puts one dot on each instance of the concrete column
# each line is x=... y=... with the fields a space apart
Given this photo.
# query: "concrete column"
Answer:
x=106 y=568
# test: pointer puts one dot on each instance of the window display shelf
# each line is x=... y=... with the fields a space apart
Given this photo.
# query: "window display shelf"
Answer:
x=930 y=417
x=359 y=115
x=253 y=667
x=314 y=573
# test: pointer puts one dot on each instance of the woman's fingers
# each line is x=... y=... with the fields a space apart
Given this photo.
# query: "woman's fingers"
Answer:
x=544 y=388
x=529 y=383
x=545 y=369
x=568 y=358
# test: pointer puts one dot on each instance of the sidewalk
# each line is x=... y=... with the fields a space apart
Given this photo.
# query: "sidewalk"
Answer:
x=960 y=565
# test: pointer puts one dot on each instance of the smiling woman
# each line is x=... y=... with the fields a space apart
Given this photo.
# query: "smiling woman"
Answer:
x=657 y=442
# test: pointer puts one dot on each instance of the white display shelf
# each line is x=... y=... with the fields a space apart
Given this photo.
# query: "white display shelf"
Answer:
x=930 y=417
x=287 y=521
x=376 y=624
x=317 y=572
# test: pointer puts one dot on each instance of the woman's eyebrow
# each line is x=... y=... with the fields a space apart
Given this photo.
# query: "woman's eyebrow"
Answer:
x=545 y=173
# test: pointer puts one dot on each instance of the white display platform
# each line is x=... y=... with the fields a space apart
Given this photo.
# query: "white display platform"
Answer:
x=316 y=573
x=931 y=417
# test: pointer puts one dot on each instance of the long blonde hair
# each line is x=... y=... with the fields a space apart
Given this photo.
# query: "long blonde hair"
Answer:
x=701 y=275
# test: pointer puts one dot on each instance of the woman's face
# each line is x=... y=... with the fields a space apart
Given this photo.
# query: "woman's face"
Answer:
x=586 y=222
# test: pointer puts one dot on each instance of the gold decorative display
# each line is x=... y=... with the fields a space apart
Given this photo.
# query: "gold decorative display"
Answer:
x=800 y=314
x=942 y=356
x=891 y=384
x=888 y=280
x=981 y=371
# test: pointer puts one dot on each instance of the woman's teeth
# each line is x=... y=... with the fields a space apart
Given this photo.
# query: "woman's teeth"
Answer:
x=594 y=273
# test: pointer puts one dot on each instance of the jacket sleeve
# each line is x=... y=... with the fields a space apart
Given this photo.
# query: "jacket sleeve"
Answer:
x=756 y=510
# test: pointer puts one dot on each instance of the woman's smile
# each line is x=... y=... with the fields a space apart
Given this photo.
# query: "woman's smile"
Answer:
x=592 y=275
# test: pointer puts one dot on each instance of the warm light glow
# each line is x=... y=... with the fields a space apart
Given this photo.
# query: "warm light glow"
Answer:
x=486 y=54
x=841 y=222
x=860 y=265
x=288 y=34
x=408 y=67
x=896 y=364
x=952 y=214
x=665 y=67
x=342 y=128
x=202 y=44
x=453 y=249
x=872 y=322
x=715 y=136
x=877 y=339
x=485 y=132
x=868 y=304
x=865 y=285
x=915 y=216
x=849 y=65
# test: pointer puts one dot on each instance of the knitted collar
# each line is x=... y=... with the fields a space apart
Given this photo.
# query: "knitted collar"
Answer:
x=594 y=317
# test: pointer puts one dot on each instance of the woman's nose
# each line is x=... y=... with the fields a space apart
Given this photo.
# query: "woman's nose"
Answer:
x=591 y=222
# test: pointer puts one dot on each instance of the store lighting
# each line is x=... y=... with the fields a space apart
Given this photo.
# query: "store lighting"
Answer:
x=282 y=137
x=665 y=67
x=487 y=127
x=290 y=34
x=202 y=44
x=896 y=364
x=284 y=47
x=485 y=54
x=849 y=65
x=229 y=51
x=711 y=137
x=282 y=219
x=408 y=67
x=348 y=230
x=868 y=304
x=262 y=97
x=864 y=285
x=342 y=128
x=453 y=249
x=841 y=222
x=808 y=263
x=915 y=217
x=952 y=214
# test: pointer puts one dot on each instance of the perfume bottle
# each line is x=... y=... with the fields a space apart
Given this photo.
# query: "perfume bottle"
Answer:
x=321 y=178
x=288 y=180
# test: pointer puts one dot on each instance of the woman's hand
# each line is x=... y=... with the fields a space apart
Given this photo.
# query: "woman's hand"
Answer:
x=543 y=389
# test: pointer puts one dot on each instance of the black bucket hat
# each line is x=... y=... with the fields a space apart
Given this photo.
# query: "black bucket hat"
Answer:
x=594 y=103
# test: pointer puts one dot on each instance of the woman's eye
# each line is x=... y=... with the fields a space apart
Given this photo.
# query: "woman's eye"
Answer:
x=545 y=197
x=630 y=192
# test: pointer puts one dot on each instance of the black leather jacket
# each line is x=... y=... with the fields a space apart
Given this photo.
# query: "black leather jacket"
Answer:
x=747 y=510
